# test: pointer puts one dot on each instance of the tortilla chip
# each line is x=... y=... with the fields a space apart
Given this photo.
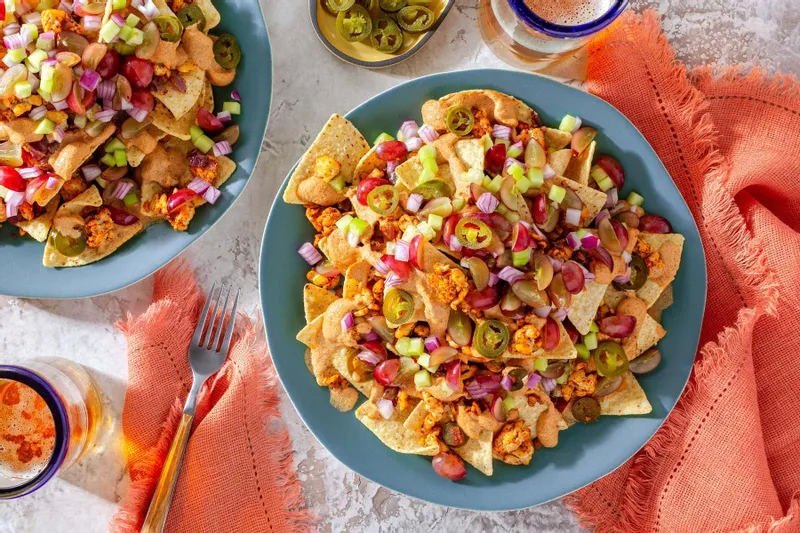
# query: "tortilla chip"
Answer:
x=663 y=302
x=209 y=12
x=478 y=453
x=311 y=334
x=584 y=306
x=338 y=139
x=340 y=364
x=164 y=120
x=408 y=174
x=322 y=351
x=416 y=418
x=89 y=197
x=179 y=103
x=629 y=399
x=368 y=163
x=579 y=167
x=135 y=155
x=649 y=334
x=651 y=290
x=68 y=159
x=522 y=208
x=343 y=398
x=316 y=300
x=530 y=413
x=592 y=199
x=225 y=170
x=499 y=107
x=556 y=139
x=392 y=433
x=355 y=278
x=39 y=227
x=559 y=160
x=471 y=152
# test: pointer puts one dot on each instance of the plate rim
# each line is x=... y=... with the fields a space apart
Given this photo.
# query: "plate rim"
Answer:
x=493 y=508
x=26 y=295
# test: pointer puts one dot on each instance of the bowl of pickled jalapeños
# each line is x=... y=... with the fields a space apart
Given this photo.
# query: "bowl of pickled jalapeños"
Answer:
x=371 y=33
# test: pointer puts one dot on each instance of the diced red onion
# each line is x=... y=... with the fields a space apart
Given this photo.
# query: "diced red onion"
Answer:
x=548 y=384
x=11 y=29
x=560 y=314
x=47 y=36
x=92 y=22
x=588 y=275
x=27 y=34
x=391 y=166
x=413 y=144
x=392 y=280
x=224 y=116
x=106 y=89
x=106 y=115
x=431 y=343
x=122 y=189
x=590 y=241
x=13 y=201
x=198 y=185
x=557 y=263
x=21 y=8
x=91 y=172
x=29 y=172
x=401 y=251
x=455 y=244
x=211 y=195
x=33 y=80
x=118 y=20
x=236 y=96
x=222 y=148
x=578 y=123
x=600 y=216
x=385 y=408
x=428 y=134
x=372 y=336
x=369 y=358
x=533 y=380
x=572 y=216
x=38 y=112
x=510 y=162
x=506 y=382
x=414 y=202
x=625 y=278
x=308 y=252
x=542 y=312
x=494 y=279
x=14 y=41
x=34 y=17
x=501 y=132
x=548 y=172
x=573 y=241
x=518 y=146
x=138 y=114
x=487 y=202
x=58 y=134
x=626 y=256
x=347 y=322
x=66 y=6
x=612 y=197
x=7 y=61
x=382 y=267
x=538 y=232
x=50 y=54
x=409 y=129
x=511 y=275
x=90 y=79
x=61 y=105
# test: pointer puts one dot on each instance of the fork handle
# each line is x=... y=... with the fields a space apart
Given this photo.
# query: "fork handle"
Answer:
x=162 y=497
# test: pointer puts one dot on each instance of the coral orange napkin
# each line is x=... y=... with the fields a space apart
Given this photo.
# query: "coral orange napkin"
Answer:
x=728 y=457
x=237 y=473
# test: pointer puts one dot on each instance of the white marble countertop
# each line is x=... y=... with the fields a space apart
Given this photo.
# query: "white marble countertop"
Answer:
x=309 y=84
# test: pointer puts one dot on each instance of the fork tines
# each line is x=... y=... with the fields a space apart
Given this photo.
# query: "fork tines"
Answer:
x=216 y=319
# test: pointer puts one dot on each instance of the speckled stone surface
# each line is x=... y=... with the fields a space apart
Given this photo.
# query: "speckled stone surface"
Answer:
x=310 y=84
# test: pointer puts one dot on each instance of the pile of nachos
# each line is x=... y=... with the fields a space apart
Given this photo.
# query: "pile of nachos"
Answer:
x=480 y=279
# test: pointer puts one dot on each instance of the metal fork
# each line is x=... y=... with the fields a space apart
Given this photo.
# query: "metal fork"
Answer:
x=205 y=359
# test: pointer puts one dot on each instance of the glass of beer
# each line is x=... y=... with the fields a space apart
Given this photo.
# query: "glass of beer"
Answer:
x=530 y=34
x=50 y=415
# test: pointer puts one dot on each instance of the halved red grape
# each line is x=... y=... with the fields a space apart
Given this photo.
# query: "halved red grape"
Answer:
x=478 y=270
x=485 y=299
x=401 y=268
x=208 y=122
x=386 y=371
x=508 y=193
x=11 y=180
x=375 y=347
x=366 y=186
x=621 y=232
x=617 y=326
x=608 y=236
x=543 y=270
x=571 y=331
x=391 y=150
x=573 y=277
x=654 y=224
x=495 y=159
x=613 y=169
x=629 y=218
x=498 y=408
x=33 y=187
x=496 y=221
x=476 y=190
x=520 y=237
x=527 y=291
x=180 y=197
x=551 y=334
x=415 y=251
x=121 y=217
x=449 y=228
x=108 y=67
x=539 y=211
x=143 y=100
x=449 y=465
x=93 y=55
x=138 y=71
x=558 y=293
x=72 y=42
x=453 y=375
x=582 y=138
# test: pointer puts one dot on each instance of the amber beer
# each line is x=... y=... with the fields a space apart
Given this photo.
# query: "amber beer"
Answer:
x=533 y=33
x=51 y=415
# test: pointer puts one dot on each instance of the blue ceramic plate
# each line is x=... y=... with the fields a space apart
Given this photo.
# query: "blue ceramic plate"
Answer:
x=585 y=452
x=23 y=273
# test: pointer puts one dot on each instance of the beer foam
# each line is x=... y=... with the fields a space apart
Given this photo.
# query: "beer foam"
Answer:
x=569 y=12
x=27 y=432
